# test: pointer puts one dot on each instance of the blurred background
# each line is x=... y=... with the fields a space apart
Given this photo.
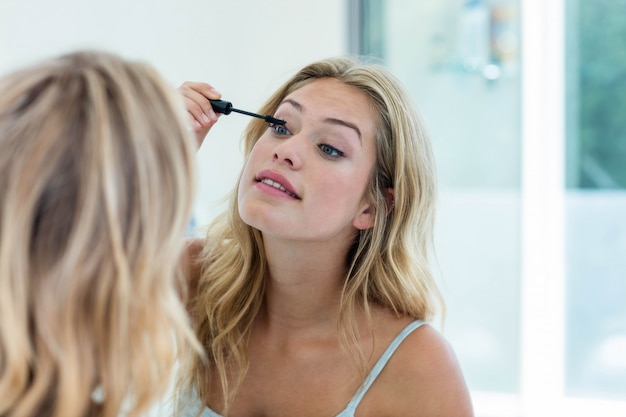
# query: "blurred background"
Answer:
x=525 y=101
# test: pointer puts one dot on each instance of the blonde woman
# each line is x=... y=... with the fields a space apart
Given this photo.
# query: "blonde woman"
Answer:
x=312 y=293
x=96 y=183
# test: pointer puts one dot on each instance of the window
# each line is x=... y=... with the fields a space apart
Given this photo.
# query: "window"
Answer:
x=595 y=201
x=525 y=102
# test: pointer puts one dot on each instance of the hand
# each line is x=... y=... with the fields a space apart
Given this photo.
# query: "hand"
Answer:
x=196 y=96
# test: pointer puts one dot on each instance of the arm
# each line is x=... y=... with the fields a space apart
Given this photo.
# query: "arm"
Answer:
x=196 y=97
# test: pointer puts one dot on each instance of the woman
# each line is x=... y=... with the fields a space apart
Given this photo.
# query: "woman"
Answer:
x=310 y=295
x=94 y=201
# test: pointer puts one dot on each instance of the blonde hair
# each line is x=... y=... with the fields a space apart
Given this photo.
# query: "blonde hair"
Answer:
x=96 y=189
x=387 y=266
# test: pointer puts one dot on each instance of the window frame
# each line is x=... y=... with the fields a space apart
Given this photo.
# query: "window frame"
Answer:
x=543 y=277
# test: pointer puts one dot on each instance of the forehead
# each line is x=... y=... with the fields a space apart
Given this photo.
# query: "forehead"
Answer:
x=328 y=97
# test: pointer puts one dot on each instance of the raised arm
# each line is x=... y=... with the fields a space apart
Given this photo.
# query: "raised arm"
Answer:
x=196 y=97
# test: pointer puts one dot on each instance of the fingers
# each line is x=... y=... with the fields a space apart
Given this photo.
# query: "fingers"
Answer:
x=196 y=96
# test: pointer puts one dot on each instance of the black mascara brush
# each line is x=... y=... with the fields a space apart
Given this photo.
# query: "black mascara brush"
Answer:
x=226 y=107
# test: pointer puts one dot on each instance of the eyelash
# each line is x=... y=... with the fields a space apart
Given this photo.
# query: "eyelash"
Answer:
x=335 y=153
x=327 y=150
x=275 y=128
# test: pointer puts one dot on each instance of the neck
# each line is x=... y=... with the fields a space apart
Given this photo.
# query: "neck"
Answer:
x=304 y=285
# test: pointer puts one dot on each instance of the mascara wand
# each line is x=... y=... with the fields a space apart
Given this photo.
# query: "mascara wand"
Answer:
x=225 y=107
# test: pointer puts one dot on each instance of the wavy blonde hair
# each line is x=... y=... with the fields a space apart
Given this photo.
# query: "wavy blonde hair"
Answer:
x=96 y=189
x=388 y=265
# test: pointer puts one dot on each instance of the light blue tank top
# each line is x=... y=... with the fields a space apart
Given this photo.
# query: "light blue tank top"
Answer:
x=349 y=411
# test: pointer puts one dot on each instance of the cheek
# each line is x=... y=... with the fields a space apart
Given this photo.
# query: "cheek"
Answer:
x=258 y=149
x=259 y=152
x=344 y=191
x=248 y=174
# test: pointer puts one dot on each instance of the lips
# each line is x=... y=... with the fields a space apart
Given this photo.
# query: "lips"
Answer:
x=273 y=179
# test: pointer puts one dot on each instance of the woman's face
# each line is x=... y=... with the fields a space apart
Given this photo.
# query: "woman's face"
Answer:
x=307 y=180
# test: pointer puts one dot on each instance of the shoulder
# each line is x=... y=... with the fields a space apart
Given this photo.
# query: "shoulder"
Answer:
x=192 y=262
x=423 y=378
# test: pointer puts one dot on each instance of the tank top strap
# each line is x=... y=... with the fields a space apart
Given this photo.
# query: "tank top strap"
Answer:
x=378 y=367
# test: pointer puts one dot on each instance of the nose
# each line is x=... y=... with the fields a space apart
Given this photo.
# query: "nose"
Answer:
x=290 y=152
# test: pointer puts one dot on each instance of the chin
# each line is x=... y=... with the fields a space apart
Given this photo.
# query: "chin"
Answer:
x=255 y=217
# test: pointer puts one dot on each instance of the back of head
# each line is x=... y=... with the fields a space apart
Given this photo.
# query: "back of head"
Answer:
x=96 y=188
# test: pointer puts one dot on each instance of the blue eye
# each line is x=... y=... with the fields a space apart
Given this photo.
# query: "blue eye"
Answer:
x=279 y=130
x=330 y=151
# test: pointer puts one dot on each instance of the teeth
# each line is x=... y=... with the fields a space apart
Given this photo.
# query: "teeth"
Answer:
x=278 y=186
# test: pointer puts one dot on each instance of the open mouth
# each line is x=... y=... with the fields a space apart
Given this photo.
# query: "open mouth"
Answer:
x=278 y=186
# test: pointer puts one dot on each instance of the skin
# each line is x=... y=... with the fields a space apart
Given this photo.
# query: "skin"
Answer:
x=325 y=163
x=297 y=364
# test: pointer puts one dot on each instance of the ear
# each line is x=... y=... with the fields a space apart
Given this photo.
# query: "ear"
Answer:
x=365 y=219
x=391 y=200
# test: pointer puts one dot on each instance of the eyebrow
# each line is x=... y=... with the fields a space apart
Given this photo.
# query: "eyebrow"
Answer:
x=330 y=120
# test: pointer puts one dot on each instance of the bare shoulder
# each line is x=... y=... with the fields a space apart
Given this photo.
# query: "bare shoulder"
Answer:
x=194 y=247
x=192 y=261
x=423 y=379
